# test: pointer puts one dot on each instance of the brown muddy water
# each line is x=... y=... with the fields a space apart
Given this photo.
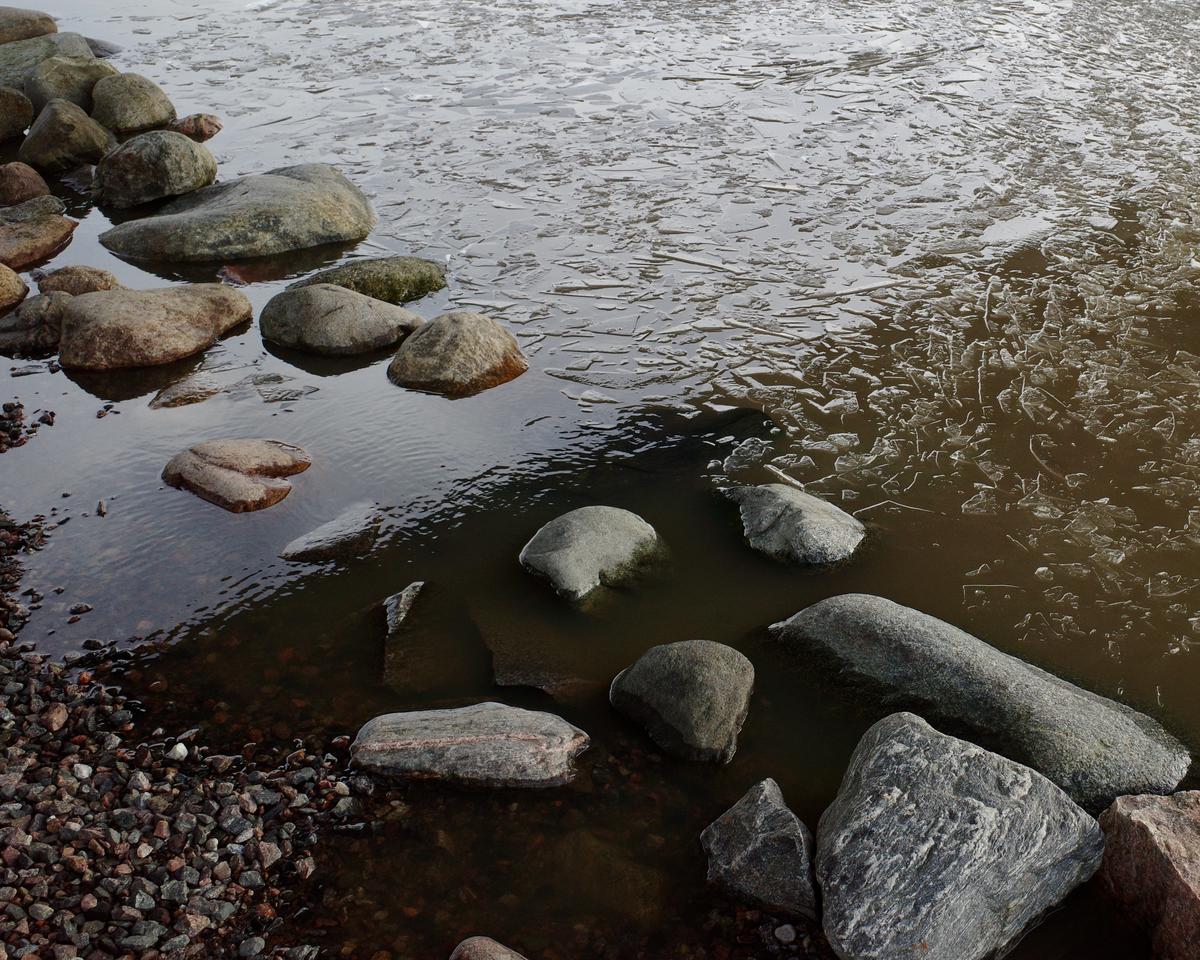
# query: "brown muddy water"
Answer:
x=943 y=253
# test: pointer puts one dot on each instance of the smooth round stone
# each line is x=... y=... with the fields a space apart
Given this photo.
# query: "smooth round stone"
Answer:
x=458 y=354
x=130 y=103
x=334 y=321
x=153 y=166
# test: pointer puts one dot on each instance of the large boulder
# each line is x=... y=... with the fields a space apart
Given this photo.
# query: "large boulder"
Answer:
x=938 y=849
x=200 y=127
x=692 y=697
x=33 y=231
x=152 y=166
x=276 y=212
x=762 y=853
x=63 y=137
x=20 y=182
x=1094 y=748
x=239 y=475
x=12 y=289
x=18 y=57
x=391 y=279
x=35 y=326
x=17 y=23
x=483 y=948
x=119 y=329
x=332 y=320
x=458 y=354
x=130 y=103
x=1152 y=868
x=77 y=280
x=795 y=527
x=350 y=534
x=66 y=78
x=16 y=113
x=590 y=547
x=488 y=744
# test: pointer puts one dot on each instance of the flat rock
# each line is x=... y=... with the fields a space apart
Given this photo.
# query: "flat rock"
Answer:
x=938 y=849
x=153 y=166
x=20 y=182
x=287 y=209
x=238 y=475
x=483 y=948
x=1151 y=868
x=33 y=231
x=795 y=527
x=488 y=744
x=458 y=354
x=16 y=113
x=590 y=547
x=692 y=697
x=66 y=78
x=17 y=23
x=760 y=852
x=18 y=57
x=119 y=329
x=391 y=279
x=1094 y=748
x=77 y=280
x=63 y=137
x=130 y=103
x=12 y=289
x=200 y=127
x=332 y=320
x=350 y=534
x=35 y=326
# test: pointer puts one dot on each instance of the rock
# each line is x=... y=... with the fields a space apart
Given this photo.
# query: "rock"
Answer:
x=692 y=697
x=119 y=329
x=1092 y=747
x=599 y=878
x=77 y=280
x=590 y=547
x=349 y=535
x=334 y=321
x=18 y=57
x=238 y=475
x=33 y=231
x=152 y=166
x=488 y=744
x=795 y=527
x=391 y=279
x=66 y=78
x=63 y=137
x=762 y=853
x=936 y=848
x=1151 y=868
x=20 y=182
x=129 y=103
x=12 y=289
x=396 y=609
x=483 y=948
x=103 y=49
x=17 y=23
x=286 y=209
x=35 y=327
x=198 y=126
x=16 y=113
x=458 y=354
x=193 y=389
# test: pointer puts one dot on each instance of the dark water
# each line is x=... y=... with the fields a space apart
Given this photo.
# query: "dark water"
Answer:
x=947 y=248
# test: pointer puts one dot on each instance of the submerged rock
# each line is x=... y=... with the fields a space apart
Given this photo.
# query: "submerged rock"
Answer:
x=17 y=23
x=117 y=329
x=599 y=878
x=130 y=103
x=458 y=354
x=488 y=744
x=33 y=231
x=152 y=166
x=334 y=321
x=16 y=113
x=391 y=279
x=77 y=280
x=795 y=527
x=200 y=127
x=1094 y=748
x=18 y=57
x=483 y=948
x=238 y=475
x=35 y=326
x=396 y=610
x=256 y=216
x=349 y=535
x=63 y=137
x=12 y=289
x=692 y=697
x=762 y=853
x=590 y=547
x=936 y=848
x=20 y=182
x=66 y=78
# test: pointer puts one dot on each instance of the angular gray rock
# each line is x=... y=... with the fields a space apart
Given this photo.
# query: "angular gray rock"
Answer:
x=287 y=209
x=18 y=57
x=590 y=547
x=1094 y=748
x=760 y=852
x=35 y=326
x=33 y=231
x=488 y=744
x=334 y=321
x=458 y=354
x=795 y=527
x=238 y=475
x=63 y=137
x=483 y=948
x=350 y=534
x=938 y=849
x=152 y=166
x=16 y=113
x=18 y=23
x=66 y=78
x=119 y=329
x=130 y=103
x=692 y=697
x=391 y=279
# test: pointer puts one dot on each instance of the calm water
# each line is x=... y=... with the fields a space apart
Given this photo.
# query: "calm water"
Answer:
x=946 y=249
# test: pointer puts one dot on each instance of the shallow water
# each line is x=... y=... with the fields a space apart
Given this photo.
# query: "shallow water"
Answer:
x=947 y=247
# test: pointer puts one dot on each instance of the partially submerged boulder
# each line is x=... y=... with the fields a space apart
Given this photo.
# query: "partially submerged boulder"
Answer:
x=66 y=78
x=63 y=137
x=119 y=329
x=396 y=611
x=792 y=526
x=33 y=231
x=18 y=57
x=350 y=534
x=458 y=354
x=391 y=279
x=200 y=127
x=12 y=289
x=18 y=23
x=1094 y=748
x=76 y=280
x=20 y=182
x=153 y=166
x=936 y=848
x=483 y=948
x=692 y=697
x=334 y=321
x=239 y=475
x=488 y=744
x=16 y=113
x=128 y=103
x=34 y=327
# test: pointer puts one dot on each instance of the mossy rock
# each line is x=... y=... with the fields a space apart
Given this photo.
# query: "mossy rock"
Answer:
x=391 y=279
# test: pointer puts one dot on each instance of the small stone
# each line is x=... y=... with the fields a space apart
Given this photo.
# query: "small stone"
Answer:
x=177 y=752
x=200 y=127
x=251 y=947
x=81 y=771
x=54 y=717
x=795 y=527
x=785 y=933
x=130 y=103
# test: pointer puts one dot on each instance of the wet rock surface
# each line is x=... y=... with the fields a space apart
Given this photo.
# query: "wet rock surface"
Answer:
x=200 y=127
x=33 y=231
x=239 y=475
x=66 y=78
x=483 y=948
x=18 y=57
x=12 y=289
x=34 y=327
x=16 y=113
x=936 y=848
x=348 y=535
x=64 y=137
x=391 y=279
x=153 y=166
x=20 y=23
x=458 y=354
x=795 y=527
x=128 y=103
x=335 y=321
x=20 y=182
x=76 y=280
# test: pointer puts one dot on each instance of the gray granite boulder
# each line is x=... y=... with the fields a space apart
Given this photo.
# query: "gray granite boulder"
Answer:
x=63 y=137
x=16 y=113
x=692 y=697
x=391 y=279
x=483 y=948
x=130 y=103
x=18 y=23
x=795 y=527
x=935 y=848
x=153 y=166
x=334 y=321
x=458 y=354
x=66 y=78
x=238 y=475
x=270 y=213
x=762 y=853
x=590 y=547
x=76 y=280
x=488 y=744
x=1094 y=748
x=35 y=326
x=350 y=534
x=33 y=231
x=19 y=57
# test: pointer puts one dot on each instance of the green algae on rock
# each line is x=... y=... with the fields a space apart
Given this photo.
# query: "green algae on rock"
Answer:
x=392 y=279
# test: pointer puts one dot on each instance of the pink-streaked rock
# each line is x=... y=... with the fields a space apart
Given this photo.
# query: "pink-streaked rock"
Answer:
x=483 y=948
x=198 y=126
x=238 y=475
x=1152 y=868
